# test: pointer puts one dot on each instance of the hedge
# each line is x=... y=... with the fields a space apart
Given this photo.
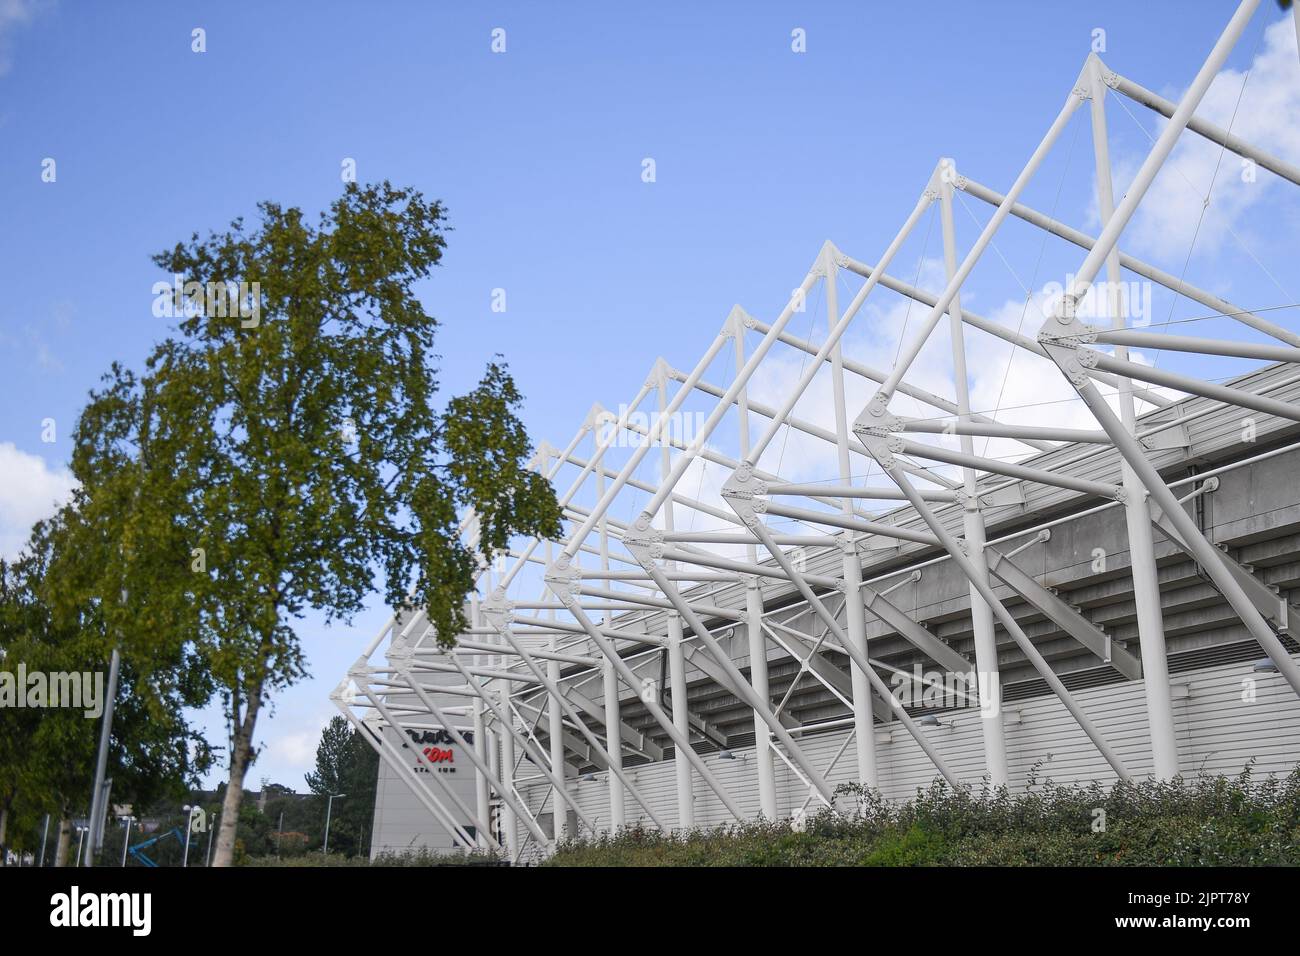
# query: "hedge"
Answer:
x=1204 y=821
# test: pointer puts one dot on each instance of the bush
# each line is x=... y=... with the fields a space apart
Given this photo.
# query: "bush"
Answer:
x=419 y=857
x=1205 y=821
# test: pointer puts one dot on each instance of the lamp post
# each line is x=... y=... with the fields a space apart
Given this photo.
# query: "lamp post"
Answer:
x=81 y=840
x=189 y=828
x=216 y=821
x=126 y=836
x=329 y=807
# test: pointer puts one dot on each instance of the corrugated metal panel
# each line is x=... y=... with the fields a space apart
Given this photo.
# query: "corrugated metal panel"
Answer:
x=1230 y=714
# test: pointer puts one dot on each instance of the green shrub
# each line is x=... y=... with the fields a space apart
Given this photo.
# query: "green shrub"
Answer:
x=420 y=857
x=1205 y=821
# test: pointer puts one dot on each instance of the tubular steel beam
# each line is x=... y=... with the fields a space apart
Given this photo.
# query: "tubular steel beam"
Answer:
x=1136 y=266
x=495 y=613
x=535 y=754
x=1215 y=134
x=1063 y=615
x=740 y=499
x=416 y=785
x=880 y=445
x=476 y=757
x=747 y=693
x=1142 y=563
x=562 y=580
x=1201 y=548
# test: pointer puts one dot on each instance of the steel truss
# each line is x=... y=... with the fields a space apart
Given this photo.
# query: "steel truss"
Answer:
x=622 y=597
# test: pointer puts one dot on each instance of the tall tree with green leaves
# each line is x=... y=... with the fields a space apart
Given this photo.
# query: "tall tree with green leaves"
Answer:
x=283 y=455
x=52 y=621
x=332 y=759
x=17 y=764
x=346 y=763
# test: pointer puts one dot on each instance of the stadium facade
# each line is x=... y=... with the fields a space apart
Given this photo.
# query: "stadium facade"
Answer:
x=921 y=591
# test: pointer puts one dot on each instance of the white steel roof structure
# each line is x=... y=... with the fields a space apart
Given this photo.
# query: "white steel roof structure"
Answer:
x=689 y=537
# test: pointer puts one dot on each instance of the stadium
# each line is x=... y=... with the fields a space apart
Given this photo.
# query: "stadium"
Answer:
x=787 y=568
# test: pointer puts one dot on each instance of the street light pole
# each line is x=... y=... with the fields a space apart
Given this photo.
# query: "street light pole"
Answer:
x=81 y=841
x=189 y=828
x=126 y=837
x=329 y=807
x=98 y=803
x=216 y=821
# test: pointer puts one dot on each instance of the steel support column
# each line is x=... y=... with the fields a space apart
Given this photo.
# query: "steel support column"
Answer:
x=758 y=679
x=477 y=757
x=986 y=646
x=530 y=746
x=509 y=821
x=1142 y=558
x=682 y=721
x=495 y=615
x=1197 y=544
x=855 y=619
x=880 y=447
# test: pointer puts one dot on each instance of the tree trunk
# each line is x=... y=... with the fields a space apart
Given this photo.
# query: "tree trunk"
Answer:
x=224 y=855
x=65 y=842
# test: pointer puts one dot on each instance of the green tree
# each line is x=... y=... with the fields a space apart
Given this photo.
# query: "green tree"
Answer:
x=274 y=461
x=52 y=621
x=17 y=763
x=298 y=814
x=346 y=763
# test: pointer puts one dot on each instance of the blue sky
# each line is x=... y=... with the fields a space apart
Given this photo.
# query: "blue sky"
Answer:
x=761 y=153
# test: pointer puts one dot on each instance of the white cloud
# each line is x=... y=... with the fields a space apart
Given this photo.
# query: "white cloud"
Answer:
x=29 y=491
x=1030 y=390
x=1006 y=382
x=293 y=733
x=702 y=480
x=288 y=753
x=15 y=14
x=1268 y=117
